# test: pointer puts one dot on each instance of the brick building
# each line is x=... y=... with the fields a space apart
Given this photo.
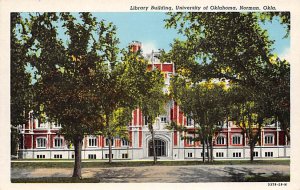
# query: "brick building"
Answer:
x=40 y=140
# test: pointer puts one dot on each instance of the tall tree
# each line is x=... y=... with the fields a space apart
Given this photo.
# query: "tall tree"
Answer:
x=152 y=101
x=204 y=103
x=233 y=46
x=20 y=88
x=66 y=72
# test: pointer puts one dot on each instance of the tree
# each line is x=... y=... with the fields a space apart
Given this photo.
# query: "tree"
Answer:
x=152 y=101
x=20 y=88
x=234 y=47
x=66 y=73
x=204 y=103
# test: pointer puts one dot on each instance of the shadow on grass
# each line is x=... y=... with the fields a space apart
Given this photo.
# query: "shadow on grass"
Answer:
x=246 y=175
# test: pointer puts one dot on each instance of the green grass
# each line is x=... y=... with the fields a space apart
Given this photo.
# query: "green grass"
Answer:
x=98 y=164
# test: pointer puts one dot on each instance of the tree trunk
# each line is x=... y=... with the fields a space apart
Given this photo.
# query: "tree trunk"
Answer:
x=211 y=150
x=203 y=151
x=109 y=139
x=153 y=144
x=110 y=149
x=207 y=149
x=251 y=151
x=77 y=165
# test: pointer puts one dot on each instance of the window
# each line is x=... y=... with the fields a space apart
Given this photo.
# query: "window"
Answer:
x=125 y=155
x=268 y=154
x=163 y=119
x=92 y=142
x=190 y=155
x=41 y=142
x=145 y=120
x=188 y=121
x=237 y=154
x=40 y=156
x=220 y=140
x=58 y=156
x=269 y=139
x=58 y=142
x=189 y=140
x=220 y=154
x=107 y=156
x=107 y=142
x=92 y=156
x=73 y=156
x=236 y=139
x=255 y=154
x=125 y=142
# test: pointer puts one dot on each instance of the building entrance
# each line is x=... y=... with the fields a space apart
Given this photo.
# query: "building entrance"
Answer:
x=160 y=147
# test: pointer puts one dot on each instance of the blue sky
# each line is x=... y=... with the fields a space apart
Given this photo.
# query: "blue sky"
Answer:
x=145 y=27
x=148 y=28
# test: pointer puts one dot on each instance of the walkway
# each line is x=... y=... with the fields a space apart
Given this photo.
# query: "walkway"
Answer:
x=161 y=174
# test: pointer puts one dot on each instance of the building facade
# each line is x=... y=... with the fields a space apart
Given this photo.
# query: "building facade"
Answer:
x=42 y=141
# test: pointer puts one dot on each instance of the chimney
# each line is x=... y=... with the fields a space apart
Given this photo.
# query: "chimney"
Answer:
x=135 y=46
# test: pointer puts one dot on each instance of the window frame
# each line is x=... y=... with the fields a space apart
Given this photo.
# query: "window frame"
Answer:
x=124 y=144
x=267 y=138
x=189 y=140
x=223 y=140
x=54 y=142
x=37 y=142
x=92 y=141
x=106 y=142
x=240 y=139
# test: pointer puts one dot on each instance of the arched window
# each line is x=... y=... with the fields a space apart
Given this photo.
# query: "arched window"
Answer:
x=107 y=142
x=58 y=142
x=236 y=139
x=41 y=142
x=221 y=140
x=189 y=140
x=269 y=139
x=92 y=141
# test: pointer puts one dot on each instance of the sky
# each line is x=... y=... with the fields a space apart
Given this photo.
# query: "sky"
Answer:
x=148 y=28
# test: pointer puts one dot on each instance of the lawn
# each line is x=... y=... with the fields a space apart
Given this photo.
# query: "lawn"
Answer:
x=68 y=164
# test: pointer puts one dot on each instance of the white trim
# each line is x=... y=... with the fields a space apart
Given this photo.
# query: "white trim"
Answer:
x=62 y=142
x=240 y=139
x=40 y=138
x=94 y=142
x=269 y=135
x=224 y=139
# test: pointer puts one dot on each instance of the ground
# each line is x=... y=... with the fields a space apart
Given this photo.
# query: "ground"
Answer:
x=162 y=174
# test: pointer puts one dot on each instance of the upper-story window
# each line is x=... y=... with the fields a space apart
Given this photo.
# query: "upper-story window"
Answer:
x=107 y=142
x=92 y=140
x=269 y=139
x=221 y=140
x=125 y=142
x=145 y=120
x=236 y=139
x=41 y=142
x=163 y=119
x=189 y=140
x=189 y=121
x=58 y=142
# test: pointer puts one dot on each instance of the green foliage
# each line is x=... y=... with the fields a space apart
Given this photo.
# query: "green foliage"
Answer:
x=233 y=47
x=20 y=88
